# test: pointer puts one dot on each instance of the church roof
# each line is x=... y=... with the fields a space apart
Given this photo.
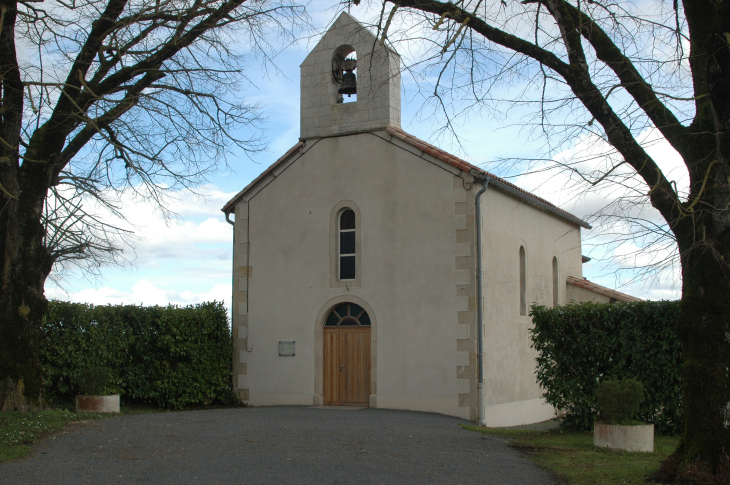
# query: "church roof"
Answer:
x=231 y=203
x=465 y=166
x=439 y=154
x=601 y=290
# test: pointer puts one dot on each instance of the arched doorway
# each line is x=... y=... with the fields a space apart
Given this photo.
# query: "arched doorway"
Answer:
x=347 y=356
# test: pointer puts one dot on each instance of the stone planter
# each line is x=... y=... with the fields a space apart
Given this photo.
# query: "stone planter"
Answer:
x=629 y=438
x=97 y=404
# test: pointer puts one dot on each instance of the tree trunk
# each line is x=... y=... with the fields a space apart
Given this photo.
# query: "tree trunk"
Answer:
x=703 y=329
x=24 y=262
x=25 y=265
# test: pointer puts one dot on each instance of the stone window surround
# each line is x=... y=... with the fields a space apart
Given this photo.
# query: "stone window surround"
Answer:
x=337 y=210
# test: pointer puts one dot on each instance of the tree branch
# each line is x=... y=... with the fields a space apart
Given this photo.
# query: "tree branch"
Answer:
x=576 y=74
x=633 y=82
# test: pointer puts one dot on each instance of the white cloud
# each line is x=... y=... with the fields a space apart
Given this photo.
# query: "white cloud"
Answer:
x=210 y=204
x=664 y=287
x=592 y=157
x=198 y=233
x=181 y=261
x=182 y=240
x=143 y=293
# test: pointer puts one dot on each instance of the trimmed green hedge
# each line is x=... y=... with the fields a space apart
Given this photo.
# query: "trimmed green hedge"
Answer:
x=169 y=357
x=580 y=345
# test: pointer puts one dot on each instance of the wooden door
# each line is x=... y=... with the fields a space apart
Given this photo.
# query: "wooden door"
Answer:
x=347 y=366
x=355 y=366
x=332 y=366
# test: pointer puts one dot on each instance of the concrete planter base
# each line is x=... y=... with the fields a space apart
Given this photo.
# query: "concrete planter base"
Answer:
x=97 y=404
x=629 y=438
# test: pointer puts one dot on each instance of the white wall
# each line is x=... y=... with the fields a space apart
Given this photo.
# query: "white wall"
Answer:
x=512 y=394
x=407 y=274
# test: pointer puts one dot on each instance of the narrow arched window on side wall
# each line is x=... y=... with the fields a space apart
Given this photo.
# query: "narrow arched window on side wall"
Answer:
x=555 y=281
x=347 y=245
x=523 y=282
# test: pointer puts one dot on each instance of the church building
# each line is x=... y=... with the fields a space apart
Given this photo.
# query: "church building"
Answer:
x=358 y=254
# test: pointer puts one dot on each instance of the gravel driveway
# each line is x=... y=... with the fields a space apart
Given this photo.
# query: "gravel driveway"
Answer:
x=277 y=445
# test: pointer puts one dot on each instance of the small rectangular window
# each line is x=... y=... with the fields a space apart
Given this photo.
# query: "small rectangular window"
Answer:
x=347 y=267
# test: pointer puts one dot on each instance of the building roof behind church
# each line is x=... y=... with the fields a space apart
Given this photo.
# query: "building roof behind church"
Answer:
x=441 y=155
x=601 y=290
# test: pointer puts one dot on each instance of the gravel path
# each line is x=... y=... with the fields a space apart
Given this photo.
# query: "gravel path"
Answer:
x=274 y=445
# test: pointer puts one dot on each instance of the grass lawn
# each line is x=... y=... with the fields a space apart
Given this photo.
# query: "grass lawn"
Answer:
x=572 y=457
x=18 y=431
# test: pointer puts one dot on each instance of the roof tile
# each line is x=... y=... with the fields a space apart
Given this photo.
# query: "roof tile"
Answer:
x=465 y=166
x=601 y=290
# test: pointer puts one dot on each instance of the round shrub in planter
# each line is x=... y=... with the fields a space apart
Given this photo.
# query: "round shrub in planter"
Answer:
x=618 y=403
x=93 y=383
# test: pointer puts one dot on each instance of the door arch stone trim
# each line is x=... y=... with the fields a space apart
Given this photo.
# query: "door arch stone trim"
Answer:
x=318 y=398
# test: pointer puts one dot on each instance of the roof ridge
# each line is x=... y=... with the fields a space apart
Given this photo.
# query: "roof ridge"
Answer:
x=465 y=166
x=262 y=175
x=437 y=153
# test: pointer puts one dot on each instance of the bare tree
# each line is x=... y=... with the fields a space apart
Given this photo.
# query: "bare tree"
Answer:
x=610 y=70
x=103 y=97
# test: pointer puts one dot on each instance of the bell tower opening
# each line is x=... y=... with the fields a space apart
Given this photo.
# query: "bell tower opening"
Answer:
x=344 y=74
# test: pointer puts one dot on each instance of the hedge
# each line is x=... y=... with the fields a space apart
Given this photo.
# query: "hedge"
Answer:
x=169 y=357
x=580 y=345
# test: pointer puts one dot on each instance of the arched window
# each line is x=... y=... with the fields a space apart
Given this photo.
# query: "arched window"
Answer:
x=347 y=315
x=523 y=282
x=345 y=259
x=347 y=245
x=555 y=281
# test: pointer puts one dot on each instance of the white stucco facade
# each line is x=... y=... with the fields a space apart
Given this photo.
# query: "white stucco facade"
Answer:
x=512 y=396
x=402 y=202
x=415 y=259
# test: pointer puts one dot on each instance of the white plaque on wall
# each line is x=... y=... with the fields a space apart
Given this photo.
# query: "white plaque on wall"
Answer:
x=286 y=348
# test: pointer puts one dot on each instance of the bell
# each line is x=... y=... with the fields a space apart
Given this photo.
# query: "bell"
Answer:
x=349 y=84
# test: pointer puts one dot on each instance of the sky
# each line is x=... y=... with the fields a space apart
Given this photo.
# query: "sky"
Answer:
x=188 y=260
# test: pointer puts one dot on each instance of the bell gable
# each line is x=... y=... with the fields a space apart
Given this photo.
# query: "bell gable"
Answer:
x=326 y=108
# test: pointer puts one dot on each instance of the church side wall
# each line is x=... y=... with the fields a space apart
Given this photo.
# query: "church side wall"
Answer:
x=410 y=215
x=512 y=395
